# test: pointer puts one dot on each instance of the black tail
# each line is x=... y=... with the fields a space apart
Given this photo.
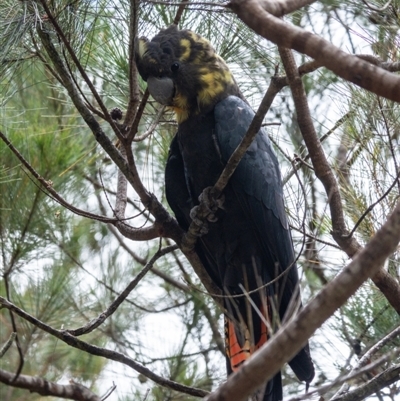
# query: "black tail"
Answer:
x=272 y=390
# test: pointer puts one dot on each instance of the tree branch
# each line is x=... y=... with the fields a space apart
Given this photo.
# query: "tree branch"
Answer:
x=372 y=205
x=180 y=11
x=347 y=66
x=92 y=325
x=75 y=342
x=386 y=378
x=383 y=280
x=72 y=391
x=8 y=344
x=279 y=8
x=133 y=74
x=366 y=358
x=321 y=166
x=48 y=189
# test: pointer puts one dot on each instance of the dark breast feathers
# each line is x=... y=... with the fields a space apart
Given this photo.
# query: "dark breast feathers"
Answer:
x=250 y=243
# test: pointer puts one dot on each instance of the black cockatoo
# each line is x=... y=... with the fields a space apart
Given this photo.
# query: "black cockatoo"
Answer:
x=248 y=242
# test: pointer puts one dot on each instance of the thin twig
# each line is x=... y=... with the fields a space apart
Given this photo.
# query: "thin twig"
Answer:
x=82 y=71
x=47 y=185
x=133 y=129
x=8 y=344
x=109 y=392
x=152 y=126
x=377 y=9
x=338 y=123
x=348 y=377
x=371 y=207
x=117 y=302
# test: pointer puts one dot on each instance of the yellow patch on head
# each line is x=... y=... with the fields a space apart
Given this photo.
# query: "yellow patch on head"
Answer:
x=142 y=47
x=185 y=44
x=199 y=39
x=213 y=84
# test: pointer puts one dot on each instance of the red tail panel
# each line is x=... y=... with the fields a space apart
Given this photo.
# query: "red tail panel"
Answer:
x=237 y=352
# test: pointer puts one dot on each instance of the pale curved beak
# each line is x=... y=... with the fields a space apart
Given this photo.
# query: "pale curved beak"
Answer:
x=162 y=89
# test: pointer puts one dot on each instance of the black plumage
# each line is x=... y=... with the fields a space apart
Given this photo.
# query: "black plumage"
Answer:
x=249 y=245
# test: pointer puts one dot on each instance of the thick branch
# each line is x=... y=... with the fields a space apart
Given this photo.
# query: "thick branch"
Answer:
x=279 y=8
x=347 y=66
x=72 y=391
x=320 y=164
x=294 y=335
